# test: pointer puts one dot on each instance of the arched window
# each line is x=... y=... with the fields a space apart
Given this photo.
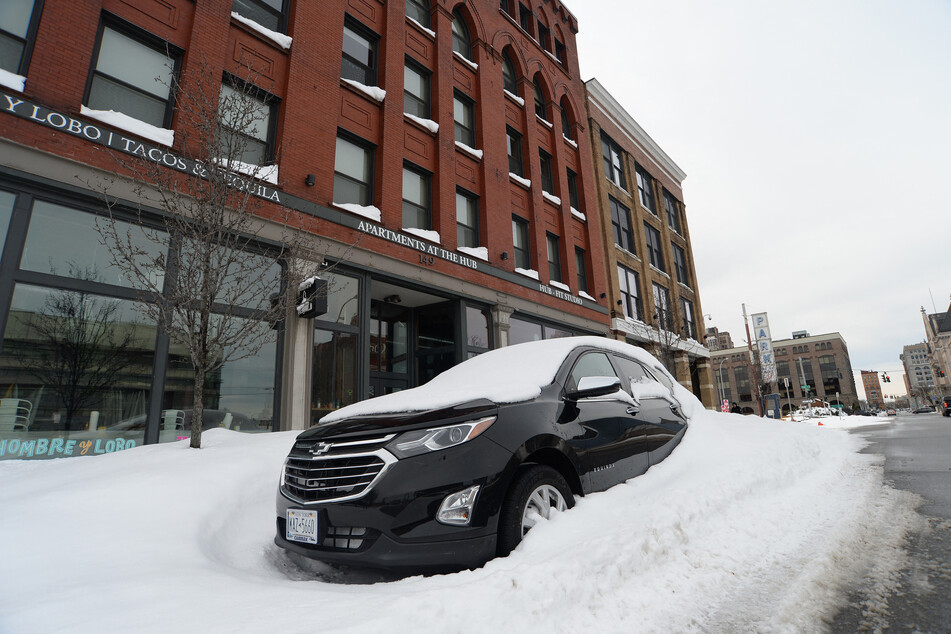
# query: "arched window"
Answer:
x=509 y=78
x=419 y=11
x=565 y=119
x=539 y=98
x=461 y=42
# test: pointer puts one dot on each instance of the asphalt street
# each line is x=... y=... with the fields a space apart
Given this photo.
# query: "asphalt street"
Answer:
x=917 y=450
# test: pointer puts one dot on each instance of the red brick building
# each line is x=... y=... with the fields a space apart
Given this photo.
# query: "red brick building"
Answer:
x=436 y=151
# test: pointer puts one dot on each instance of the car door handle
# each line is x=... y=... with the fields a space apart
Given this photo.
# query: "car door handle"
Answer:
x=673 y=407
x=632 y=410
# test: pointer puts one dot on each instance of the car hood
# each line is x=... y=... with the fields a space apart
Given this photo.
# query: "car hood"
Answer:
x=399 y=422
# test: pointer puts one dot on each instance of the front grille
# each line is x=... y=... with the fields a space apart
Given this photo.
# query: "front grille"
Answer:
x=334 y=471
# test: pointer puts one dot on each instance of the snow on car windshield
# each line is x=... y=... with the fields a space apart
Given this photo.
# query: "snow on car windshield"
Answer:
x=506 y=375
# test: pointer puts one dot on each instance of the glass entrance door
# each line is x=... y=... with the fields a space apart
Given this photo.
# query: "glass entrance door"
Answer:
x=390 y=357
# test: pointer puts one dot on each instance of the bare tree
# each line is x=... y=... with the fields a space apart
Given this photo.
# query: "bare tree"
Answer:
x=209 y=264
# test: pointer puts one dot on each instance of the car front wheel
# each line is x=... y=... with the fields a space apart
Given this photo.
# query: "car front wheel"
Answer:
x=536 y=491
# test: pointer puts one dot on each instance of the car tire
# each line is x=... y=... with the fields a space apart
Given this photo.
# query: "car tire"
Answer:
x=536 y=489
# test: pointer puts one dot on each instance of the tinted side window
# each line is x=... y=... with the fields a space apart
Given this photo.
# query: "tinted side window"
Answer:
x=590 y=364
x=631 y=372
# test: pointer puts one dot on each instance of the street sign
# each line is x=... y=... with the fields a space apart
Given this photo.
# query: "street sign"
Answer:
x=725 y=407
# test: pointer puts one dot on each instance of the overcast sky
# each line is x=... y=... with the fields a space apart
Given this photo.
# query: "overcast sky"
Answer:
x=816 y=138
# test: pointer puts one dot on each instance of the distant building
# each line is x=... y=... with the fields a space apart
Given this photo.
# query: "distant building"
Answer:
x=873 y=389
x=820 y=362
x=651 y=280
x=717 y=340
x=919 y=378
x=938 y=333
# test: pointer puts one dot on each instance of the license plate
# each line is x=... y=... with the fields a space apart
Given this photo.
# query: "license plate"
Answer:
x=301 y=526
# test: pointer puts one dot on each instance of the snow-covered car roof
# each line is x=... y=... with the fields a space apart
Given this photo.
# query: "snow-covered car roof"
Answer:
x=505 y=375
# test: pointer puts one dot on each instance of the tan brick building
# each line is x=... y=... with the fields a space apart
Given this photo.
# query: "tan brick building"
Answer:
x=651 y=278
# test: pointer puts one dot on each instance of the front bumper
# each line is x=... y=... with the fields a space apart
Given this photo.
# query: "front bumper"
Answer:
x=393 y=526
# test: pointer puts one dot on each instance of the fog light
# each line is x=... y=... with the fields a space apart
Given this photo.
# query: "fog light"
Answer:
x=456 y=509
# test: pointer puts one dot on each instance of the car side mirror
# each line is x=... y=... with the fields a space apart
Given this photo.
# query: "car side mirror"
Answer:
x=590 y=386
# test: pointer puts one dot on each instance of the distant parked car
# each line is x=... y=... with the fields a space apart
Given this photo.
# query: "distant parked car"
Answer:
x=924 y=410
x=891 y=412
x=944 y=406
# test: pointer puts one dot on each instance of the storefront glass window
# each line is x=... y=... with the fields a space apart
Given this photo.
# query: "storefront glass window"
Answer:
x=6 y=210
x=477 y=328
x=343 y=303
x=521 y=331
x=75 y=374
x=63 y=241
x=335 y=372
x=239 y=395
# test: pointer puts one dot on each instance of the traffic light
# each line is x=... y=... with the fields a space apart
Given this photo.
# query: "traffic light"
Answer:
x=884 y=378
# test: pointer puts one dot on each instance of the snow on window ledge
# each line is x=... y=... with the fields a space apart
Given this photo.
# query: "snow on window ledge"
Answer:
x=657 y=270
x=129 y=124
x=429 y=124
x=532 y=273
x=422 y=28
x=469 y=150
x=367 y=211
x=570 y=142
x=268 y=173
x=547 y=123
x=527 y=184
x=425 y=234
x=563 y=287
x=586 y=296
x=284 y=41
x=577 y=214
x=555 y=200
x=468 y=62
x=480 y=253
x=515 y=98
x=12 y=80
x=373 y=92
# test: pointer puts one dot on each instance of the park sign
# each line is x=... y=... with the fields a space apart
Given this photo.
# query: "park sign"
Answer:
x=764 y=344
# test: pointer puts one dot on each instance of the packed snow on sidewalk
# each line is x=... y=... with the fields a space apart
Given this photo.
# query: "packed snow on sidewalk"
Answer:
x=750 y=525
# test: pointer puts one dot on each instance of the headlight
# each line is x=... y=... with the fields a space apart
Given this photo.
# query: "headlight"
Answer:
x=414 y=443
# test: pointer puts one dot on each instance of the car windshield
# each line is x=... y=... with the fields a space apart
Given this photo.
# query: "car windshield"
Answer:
x=505 y=375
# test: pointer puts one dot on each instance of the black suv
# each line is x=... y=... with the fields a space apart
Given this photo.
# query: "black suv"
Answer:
x=450 y=474
x=944 y=406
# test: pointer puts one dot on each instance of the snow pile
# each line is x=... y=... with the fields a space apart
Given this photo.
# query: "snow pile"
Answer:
x=749 y=526
x=284 y=41
x=163 y=136
x=480 y=253
x=12 y=80
x=429 y=124
x=373 y=92
x=425 y=234
x=367 y=211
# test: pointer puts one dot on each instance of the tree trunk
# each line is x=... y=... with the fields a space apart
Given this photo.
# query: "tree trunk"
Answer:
x=197 y=408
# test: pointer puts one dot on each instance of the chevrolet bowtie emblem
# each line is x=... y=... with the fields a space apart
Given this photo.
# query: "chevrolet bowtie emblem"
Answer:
x=321 y=448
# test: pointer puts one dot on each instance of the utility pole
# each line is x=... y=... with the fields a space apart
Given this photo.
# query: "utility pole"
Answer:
x=753 y=369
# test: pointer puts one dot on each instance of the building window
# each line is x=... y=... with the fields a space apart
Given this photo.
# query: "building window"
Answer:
x=415 y=90
x=419 y=11
x=621 y=221
x=654 y=252
x=686 y=310
x=645 y=187
x=554 y=258
x=417 y=197
x=19 y=20
x=359 y=53
x=630 y=293
x=248 y=114
x=611 y=153
x=560 y=51
x=673 y=212
x=544 y=162
x=520 y=244
x=573 y=197
x=461 y=42
x=463 y=115
x=680 y=264
x=565 y=121
x=544 y=37
x=514 y=141
x=540 y=109
x=270 y=14
x=525 y=19
x=509 y=78
x=353 y=172
x=582 y=268
x=134 y=75
x=662 y=306
x=506 y=6
x=467 y=219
